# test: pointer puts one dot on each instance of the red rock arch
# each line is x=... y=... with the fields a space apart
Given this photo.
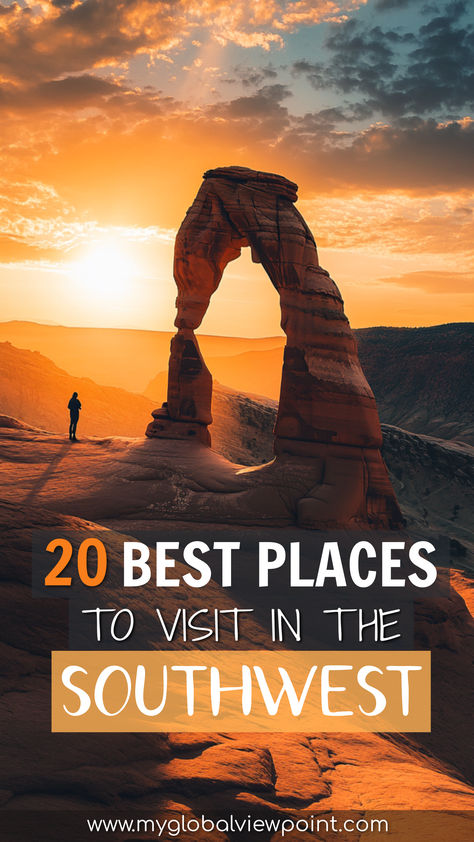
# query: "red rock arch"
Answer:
x=327 y=410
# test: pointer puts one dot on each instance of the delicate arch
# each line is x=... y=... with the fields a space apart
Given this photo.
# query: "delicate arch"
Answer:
x=324 y=398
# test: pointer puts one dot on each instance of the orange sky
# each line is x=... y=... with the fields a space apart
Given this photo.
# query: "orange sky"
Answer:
x=112 y=110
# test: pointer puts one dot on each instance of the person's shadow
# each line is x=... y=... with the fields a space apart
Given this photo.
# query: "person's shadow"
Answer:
x=46 y=475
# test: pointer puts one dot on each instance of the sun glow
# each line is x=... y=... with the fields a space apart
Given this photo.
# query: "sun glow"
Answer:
x=107 y=271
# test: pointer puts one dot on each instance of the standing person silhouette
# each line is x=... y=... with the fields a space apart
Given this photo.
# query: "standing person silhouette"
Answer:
x=74 y=406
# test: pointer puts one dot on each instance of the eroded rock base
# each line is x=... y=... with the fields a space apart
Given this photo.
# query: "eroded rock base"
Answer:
x=165 y=427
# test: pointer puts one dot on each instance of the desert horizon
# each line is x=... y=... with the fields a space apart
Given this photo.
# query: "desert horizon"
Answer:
x=279 y=337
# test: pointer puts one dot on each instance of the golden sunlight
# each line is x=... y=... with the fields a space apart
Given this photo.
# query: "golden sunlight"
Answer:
x=107 y=268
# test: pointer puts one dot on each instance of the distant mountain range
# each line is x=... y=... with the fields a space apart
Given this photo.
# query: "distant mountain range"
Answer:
x=114 y=357
x=422 y=378
x=34 y=390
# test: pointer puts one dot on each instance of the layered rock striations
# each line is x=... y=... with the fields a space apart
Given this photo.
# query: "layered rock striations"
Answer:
x=327 y=416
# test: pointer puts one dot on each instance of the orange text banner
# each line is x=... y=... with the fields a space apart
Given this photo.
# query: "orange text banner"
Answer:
x=240 y=691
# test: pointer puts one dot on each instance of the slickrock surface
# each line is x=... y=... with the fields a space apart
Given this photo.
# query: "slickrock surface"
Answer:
x=117 y=480
x=327 y=414
x=152 y=479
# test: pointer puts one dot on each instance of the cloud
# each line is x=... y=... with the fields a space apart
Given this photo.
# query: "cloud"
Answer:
x=50 y=40
x=389 y=5
x=120 y=151
x=246 y=126
x=322 y=148
x=353 y=195
x=75 y=93
x=264 y=103
x=395 y=223
x=37 y=224
x=42 y=41
x=444 y=283
x=422 y=155
x=251 y=77
x=399 y=73
x=114 y=142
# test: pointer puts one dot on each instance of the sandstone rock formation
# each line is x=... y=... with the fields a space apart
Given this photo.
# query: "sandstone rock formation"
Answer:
x=327 y=415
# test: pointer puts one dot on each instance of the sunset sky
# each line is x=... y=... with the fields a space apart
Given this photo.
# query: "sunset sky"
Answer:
x=111 y=110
